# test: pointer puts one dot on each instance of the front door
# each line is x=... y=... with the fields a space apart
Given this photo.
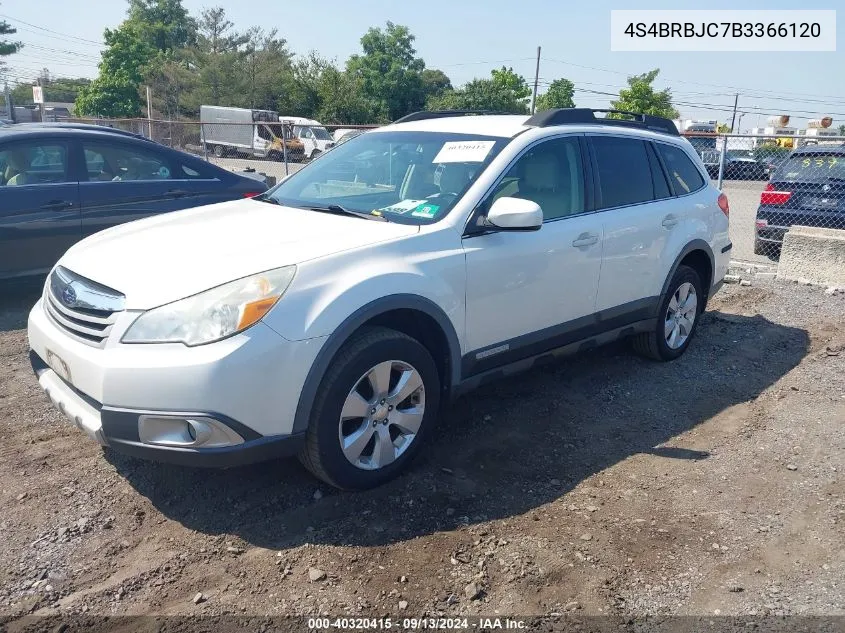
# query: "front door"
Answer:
x=39 y=206
x=528 y=292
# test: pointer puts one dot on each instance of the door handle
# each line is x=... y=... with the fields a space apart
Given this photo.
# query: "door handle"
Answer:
x=585 y=239
x=177 y=193
x=669 y=221
x=57 y=205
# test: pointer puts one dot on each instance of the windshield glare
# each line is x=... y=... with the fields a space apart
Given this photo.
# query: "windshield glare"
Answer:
x=407 y=177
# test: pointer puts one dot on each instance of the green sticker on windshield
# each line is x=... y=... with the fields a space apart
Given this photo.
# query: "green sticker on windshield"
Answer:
x=427 y=211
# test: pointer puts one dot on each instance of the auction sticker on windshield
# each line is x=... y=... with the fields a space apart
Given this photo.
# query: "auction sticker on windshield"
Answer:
x=427 y=211
x=464 y=152
x=403 y=206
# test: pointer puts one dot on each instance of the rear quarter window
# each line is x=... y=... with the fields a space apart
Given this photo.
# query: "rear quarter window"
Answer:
x=684 y=176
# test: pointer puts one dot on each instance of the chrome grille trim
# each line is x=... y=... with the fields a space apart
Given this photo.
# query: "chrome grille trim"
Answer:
x=87 y=311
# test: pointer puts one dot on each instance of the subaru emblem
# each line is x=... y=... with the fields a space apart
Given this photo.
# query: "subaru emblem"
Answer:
x=69 y=296
x=826 y=188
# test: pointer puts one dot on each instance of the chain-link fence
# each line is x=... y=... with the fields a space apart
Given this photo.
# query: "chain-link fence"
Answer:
x=774 y=183
x=271 y=147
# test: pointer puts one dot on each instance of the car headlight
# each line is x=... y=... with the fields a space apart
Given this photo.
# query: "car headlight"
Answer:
x=213 y=314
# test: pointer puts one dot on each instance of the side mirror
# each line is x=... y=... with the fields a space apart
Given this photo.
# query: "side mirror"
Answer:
x=515 y=214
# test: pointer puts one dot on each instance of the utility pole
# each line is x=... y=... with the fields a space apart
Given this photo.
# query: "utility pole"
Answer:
x=536 y=80
x=149 y=115
x=10 y=109
x=733 y=118
x=41 y=105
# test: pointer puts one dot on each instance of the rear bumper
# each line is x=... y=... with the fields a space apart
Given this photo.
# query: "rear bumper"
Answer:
x=119 y=428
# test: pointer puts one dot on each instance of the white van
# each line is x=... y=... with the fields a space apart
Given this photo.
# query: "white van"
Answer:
x=315 y=138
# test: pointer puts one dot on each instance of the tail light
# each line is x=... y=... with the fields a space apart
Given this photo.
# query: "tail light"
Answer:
x=723 y=204
x=761 y=223
x=773 y=197
x=252 y=194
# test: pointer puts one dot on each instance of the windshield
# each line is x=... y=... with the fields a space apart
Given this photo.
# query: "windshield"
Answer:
x=407 y=177
x=321 y=133
x=815 y=167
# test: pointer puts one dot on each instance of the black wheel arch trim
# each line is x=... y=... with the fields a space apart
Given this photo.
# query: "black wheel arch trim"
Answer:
x=694 y=245
x=352 y=323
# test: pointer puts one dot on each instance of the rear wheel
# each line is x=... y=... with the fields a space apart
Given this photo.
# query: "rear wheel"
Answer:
x=677 y=318
x=377 y=402
x=218 y=151
x=315 y=154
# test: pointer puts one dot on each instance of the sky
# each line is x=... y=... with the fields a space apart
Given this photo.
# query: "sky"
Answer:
x=468 y=38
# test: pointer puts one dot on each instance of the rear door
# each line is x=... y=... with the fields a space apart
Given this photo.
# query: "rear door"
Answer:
x=808 y=188
x=637 y=215
x=39 y=205
x=127 y=180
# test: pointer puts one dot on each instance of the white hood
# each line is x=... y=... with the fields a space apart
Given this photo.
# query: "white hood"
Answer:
x=174 y=255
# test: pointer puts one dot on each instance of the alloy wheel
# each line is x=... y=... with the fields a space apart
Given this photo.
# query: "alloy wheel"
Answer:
x=381 y=415
x=680 y=315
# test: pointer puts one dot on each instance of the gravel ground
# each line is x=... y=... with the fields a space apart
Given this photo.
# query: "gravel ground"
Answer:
x=605 y=484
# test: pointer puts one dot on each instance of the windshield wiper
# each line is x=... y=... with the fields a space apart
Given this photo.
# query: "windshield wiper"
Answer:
x=263 y=197
x=339 y=210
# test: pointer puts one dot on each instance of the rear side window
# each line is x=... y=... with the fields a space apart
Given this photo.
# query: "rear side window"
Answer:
x=683 y=174
x=117 y=162
x=623 y=170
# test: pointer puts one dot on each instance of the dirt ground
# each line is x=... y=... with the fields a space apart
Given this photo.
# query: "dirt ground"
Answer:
x=605 y=484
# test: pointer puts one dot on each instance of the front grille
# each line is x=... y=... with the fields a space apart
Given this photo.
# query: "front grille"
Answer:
x=84 y=309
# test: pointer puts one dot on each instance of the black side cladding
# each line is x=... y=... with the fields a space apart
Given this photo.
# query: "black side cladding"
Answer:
x=572 y=116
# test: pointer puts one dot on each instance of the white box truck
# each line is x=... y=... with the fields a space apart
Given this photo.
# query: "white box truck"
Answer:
x=233 y=131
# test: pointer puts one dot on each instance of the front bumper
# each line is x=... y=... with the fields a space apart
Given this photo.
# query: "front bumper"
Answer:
x=119 y=429
x=249 y=385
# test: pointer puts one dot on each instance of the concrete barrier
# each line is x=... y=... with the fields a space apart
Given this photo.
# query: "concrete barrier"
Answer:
x=813 y=255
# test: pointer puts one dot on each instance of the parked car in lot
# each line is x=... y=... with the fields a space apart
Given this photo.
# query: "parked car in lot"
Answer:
x=744 y=165
x=60 y=184
x=807 y=188
x=348 y=136
x=333 y=315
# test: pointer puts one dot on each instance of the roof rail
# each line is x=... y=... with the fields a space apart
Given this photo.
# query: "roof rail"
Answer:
x=441 y=114
x=564 y=116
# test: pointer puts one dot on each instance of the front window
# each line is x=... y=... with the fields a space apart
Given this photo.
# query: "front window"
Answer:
x=406 y=177
x=321 y=133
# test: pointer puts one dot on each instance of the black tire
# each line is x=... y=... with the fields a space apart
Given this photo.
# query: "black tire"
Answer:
x=760 y=248
x=322 y=453
x=653 y=344
x=219 y=152
x=315 y=155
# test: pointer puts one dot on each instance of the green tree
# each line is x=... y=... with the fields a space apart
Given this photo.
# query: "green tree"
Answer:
x=505 y=91
x=390 y=71
x=342 y=99
x=7 y=47
x=115 y=92
x=435 y=82
x=59 y=89
x=559 y=95
x=163 y=24
x=302 y=87
x=842 y=130
x=641 y=97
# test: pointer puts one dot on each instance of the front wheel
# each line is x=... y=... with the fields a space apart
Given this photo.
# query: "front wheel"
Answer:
x=677 y=318
x=219 y=152
x=377 y=402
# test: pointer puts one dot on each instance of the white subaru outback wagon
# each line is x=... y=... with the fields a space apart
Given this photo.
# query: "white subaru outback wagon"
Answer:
x=332 y=316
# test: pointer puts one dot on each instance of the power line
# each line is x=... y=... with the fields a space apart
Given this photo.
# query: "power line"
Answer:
x=697 y=83
x=41 y=28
